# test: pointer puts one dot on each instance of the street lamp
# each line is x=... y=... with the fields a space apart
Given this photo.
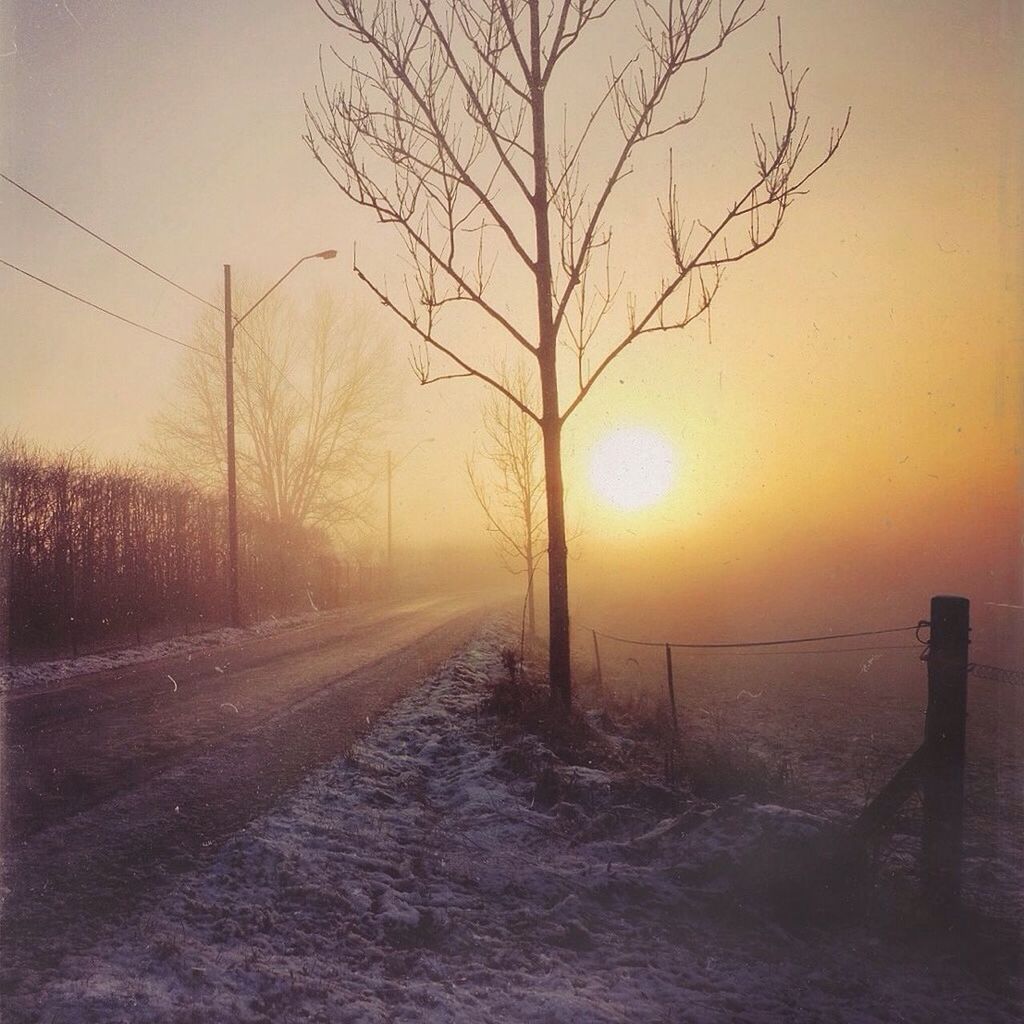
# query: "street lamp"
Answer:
x=392 y=466
x=230 y=323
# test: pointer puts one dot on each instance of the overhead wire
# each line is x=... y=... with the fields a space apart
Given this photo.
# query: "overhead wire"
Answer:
x=108 y=243
x=109 y=312
x=156 y=273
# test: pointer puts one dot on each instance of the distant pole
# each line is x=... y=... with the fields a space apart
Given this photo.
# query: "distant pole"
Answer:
x=229 y=391
x=945 y=732
x=390 y=471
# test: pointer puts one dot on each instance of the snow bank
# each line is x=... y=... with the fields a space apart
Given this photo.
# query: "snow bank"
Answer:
x=422 y=880
x=37 y=673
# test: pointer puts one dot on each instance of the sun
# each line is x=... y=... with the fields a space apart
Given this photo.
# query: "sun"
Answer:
x=632 y=467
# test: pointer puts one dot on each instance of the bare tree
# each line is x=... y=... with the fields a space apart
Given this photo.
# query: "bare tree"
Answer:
x=513 y=504
x=440 y=124
x=310 y=395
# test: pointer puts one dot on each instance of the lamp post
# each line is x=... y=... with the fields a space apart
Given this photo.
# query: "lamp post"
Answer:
x=392 y=465
x=230 y=323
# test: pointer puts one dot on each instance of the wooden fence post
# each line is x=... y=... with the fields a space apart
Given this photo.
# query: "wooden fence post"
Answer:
x=671 y=690
x=945 y=739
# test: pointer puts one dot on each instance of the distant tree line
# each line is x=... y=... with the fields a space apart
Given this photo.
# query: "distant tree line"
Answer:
x=94 y=554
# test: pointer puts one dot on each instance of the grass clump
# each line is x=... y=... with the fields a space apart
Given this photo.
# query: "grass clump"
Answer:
x=526 y=706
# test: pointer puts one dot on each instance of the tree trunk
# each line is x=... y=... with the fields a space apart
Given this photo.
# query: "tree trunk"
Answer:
x=547 y=360
x=558 y=567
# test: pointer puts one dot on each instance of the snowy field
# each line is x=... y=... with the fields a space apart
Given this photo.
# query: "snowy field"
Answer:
x=836 y=727
x=16 y=677
x=428 y=878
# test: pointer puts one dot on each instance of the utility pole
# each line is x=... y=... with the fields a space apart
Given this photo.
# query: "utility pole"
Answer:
x=229 y=391
x=230 y=323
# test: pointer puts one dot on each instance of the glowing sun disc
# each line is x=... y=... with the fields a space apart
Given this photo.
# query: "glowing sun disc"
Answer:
x=632 y=467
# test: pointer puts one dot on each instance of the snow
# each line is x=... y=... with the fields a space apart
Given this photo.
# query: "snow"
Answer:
x=422 y=879
x=17 y=677
x=835 y=729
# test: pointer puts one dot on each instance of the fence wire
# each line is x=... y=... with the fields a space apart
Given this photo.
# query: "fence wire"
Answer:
x=745 y=648
x=813 y=650
x=736 y=644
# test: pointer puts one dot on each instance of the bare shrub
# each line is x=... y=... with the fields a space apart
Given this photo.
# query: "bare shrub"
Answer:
x=94 y=554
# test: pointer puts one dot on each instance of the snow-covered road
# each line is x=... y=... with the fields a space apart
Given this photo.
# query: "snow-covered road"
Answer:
x=111 y=780
x=420 y=879
x=72 y=742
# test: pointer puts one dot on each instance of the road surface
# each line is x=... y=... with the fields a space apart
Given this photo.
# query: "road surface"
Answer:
x=113 y=779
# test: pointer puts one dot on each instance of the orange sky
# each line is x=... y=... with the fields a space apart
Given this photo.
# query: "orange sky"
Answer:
x=864 y=373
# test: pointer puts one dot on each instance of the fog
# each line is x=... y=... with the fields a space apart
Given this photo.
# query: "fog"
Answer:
x=846 y=426
x=532 y=434
x=725 y=590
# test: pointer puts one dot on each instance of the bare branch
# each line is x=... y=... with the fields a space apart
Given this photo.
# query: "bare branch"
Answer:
x=775 y=187
x=428 y=339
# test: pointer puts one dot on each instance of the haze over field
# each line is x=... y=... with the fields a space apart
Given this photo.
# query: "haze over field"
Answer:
x=846 y=427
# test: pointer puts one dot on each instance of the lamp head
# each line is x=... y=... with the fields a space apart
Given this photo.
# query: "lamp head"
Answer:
x=327 y=254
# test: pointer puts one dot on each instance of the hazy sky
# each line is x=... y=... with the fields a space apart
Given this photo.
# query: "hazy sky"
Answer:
x=863 y=373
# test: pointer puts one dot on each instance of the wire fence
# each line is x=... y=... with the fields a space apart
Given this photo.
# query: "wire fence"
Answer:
x=695 y=701
x=735 y=644
x=851 y=739
x=780 y=646
x=773 y=706
x=761 y=647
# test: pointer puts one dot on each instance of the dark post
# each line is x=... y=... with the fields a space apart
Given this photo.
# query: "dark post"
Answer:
x=945 y=740
x=671 y=689
x=597 y=661
x=229 y=392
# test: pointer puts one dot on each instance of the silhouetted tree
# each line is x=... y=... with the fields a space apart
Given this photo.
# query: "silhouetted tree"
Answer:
x=440 y=123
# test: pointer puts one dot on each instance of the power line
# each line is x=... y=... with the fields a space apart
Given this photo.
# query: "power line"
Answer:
x=109 y=312
x=109 y=244
x=156 y=273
